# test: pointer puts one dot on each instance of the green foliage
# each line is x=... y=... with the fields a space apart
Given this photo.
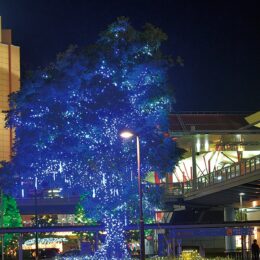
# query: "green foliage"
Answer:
x=80 y=216
x=46 y=220
x=11 y=218
x=241 y=215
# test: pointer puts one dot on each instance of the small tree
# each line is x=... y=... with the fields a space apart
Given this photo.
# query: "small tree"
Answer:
x=81 y=218
x=11 y=218
x=68 y=118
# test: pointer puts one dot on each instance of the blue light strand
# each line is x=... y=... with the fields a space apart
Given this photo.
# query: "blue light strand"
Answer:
x=68 y=125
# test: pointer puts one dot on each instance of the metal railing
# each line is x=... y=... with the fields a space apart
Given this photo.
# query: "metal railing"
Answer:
x=176 y=190
x=245 y=167
x=239 y=255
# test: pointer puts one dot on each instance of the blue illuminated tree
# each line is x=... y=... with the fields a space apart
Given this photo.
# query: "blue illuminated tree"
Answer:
x=68 y=118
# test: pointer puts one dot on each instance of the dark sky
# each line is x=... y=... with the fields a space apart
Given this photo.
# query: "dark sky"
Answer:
x=218 y=40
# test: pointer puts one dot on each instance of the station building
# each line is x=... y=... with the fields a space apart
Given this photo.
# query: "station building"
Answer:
x=218 y=179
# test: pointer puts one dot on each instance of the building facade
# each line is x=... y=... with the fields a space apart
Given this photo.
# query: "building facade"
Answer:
x=218 y=178
x=9 y=82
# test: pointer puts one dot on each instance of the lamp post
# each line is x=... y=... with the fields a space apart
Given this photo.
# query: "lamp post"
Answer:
x=127 y=135
x=36 y=224
x=36 y=220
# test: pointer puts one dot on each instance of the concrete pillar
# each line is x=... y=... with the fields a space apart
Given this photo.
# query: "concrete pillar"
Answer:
x=96 y=242
x=169 y=246
x=179 y=248
x=173 y=247
x=149 y=247
x=161 y=245
x=194 y=165
x=230 y=241
x=20 y=247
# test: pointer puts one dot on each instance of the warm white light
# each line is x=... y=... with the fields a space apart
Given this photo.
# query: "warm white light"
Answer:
x=54 y=191
x=206 y=145
x=241 y=148
x=255 y=232
x=198 y=145
x=126 y=134
x=238 y=136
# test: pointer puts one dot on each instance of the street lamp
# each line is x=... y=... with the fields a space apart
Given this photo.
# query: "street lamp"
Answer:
x=128 y=135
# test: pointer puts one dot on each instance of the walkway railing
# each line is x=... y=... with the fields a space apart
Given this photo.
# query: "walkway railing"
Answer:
x=245 y=167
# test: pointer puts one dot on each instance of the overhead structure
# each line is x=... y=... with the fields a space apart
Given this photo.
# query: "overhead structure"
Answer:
x=254 y=119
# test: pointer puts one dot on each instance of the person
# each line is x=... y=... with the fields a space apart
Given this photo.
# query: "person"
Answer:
x=255 y=250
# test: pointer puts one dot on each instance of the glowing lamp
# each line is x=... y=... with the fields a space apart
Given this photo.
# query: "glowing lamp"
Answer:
x=126 y=134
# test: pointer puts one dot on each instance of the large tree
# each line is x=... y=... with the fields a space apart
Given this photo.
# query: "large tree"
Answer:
x=68 y=118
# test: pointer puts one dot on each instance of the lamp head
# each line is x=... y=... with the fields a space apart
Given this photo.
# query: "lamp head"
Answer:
x=126 y=134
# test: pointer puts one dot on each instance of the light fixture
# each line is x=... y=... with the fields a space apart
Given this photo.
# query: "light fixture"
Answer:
x=254 y=203
x=126 y=134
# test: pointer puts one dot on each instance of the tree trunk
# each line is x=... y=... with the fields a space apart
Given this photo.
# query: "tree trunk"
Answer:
x=115 y=246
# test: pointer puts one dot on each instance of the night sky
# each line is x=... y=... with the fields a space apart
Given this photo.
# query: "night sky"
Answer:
x=218 y=40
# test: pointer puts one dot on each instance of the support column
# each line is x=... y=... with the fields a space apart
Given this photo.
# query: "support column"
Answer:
x=179 y=248
x=194 y=165
x=230 y=241
x=20 y=247
x=96 y=241
x=161 y=245
x=169 y=245
x=173 y=247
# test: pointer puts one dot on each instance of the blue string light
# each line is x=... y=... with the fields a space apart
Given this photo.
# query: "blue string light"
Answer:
x=69 y=117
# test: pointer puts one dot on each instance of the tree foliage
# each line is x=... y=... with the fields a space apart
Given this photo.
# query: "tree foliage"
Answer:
x=68 y=118
x=11 y=218
x=81 y=215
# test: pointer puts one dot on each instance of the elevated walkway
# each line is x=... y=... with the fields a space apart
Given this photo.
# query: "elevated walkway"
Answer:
x=221 y=186
x=29 y=206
